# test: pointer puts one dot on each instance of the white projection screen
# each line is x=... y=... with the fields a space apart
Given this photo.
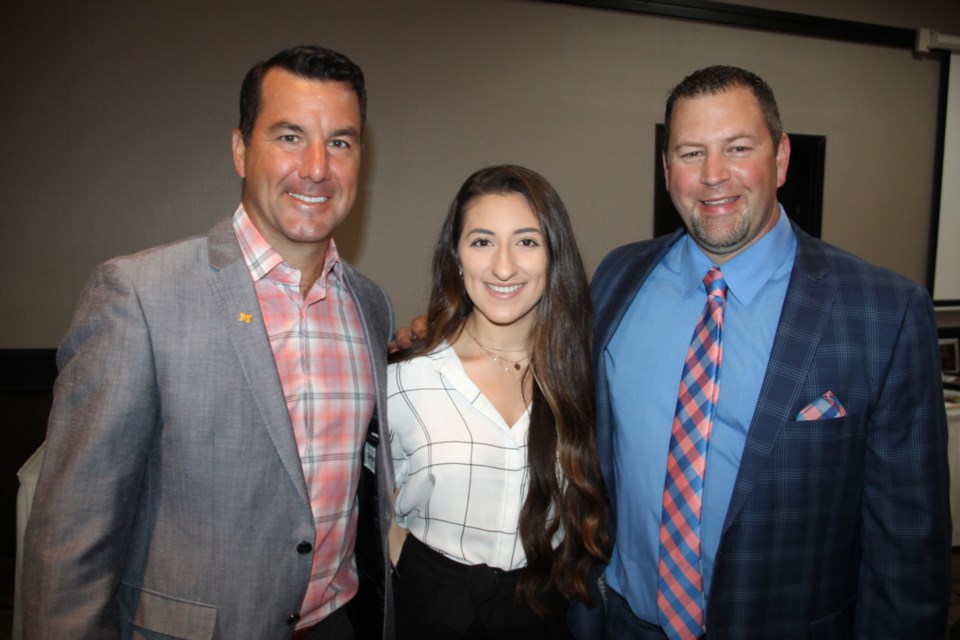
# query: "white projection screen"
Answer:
x=946 y=278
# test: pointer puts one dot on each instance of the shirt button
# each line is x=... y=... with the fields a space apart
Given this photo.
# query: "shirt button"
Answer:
x=304 y=548
x=293 y=618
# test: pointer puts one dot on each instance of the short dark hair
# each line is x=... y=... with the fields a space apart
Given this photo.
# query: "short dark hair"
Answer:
x=720 y=78
x=307 y=61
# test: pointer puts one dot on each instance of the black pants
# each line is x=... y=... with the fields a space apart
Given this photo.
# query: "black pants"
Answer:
x=441 y=599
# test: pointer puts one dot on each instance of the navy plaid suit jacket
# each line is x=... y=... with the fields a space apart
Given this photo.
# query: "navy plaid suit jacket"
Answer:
x=836 y=528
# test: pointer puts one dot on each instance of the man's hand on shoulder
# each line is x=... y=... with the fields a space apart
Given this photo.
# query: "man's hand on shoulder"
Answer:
x=406 y=336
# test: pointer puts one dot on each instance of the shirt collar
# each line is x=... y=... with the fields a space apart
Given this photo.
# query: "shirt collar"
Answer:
x=746 y=273
x=263 y=260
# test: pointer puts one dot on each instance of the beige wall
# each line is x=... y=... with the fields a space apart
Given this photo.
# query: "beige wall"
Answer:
x=118 y=116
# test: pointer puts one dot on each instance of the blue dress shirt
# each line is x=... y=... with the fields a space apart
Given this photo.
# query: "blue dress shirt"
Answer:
x=644 y=361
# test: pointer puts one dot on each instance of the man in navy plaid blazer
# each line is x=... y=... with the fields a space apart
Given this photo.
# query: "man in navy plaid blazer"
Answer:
x=825 y=502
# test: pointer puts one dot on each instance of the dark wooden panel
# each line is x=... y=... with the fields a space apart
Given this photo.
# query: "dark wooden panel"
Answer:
x=26 y=393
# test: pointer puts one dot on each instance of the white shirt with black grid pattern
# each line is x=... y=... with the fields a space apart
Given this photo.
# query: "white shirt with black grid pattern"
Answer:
x=461 y=470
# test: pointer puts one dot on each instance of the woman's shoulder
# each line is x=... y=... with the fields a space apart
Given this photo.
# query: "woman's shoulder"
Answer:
x=419 y=367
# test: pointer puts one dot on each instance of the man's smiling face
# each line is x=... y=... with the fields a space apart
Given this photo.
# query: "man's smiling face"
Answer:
x=302 y=162
x=723 y=170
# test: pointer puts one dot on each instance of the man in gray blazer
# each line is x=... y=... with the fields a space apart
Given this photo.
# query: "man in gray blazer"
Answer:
x=215 y=462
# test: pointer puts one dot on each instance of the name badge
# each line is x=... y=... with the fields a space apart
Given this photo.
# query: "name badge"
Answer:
x=370 y=452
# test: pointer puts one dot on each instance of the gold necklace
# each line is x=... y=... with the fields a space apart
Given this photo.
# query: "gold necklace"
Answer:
x=500 y=360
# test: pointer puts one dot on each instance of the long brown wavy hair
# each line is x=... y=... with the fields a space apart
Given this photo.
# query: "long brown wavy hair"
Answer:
x=565 y=488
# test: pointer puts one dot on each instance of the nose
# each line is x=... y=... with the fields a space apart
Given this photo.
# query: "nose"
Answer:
x=713 y=171
x=315 y=163
x=504 y=265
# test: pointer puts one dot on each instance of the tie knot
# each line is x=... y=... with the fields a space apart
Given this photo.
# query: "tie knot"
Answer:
x=714 y=282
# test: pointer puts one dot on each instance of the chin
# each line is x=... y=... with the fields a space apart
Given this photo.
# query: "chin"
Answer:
x=313 y=233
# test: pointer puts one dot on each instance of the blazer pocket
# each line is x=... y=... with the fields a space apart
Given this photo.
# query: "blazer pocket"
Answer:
x=816 y=451
x=166 y=615
x=827 y=427
x=838 y=625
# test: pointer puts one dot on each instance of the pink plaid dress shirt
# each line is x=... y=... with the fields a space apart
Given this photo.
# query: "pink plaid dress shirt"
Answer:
x=323 y=361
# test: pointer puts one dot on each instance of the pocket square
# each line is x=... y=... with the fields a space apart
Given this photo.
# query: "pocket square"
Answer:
x=825 y=407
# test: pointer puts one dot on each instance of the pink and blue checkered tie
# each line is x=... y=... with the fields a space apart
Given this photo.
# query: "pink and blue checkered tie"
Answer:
x=680 y=589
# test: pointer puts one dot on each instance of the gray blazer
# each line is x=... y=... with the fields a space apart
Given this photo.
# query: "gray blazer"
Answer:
x=171 y=502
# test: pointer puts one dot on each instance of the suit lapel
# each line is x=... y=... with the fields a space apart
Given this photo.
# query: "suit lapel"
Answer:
x=806 y=310
x=616 y=284
x=612 y=303
x=377 y=320
x=233 y=287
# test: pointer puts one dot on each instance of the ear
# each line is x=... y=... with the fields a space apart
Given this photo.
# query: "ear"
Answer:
x=239 y=153
x=783 y=159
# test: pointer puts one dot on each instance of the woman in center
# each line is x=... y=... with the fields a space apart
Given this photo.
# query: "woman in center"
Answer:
x=491 y=419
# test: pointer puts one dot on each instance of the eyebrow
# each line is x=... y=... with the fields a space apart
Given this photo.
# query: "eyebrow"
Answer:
x=727 y=140
x=350 y=132
x=283 y=125
x=517 y=232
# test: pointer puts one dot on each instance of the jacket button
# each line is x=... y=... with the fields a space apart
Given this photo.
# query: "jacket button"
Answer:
x=293 y=618
x=304 y=548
